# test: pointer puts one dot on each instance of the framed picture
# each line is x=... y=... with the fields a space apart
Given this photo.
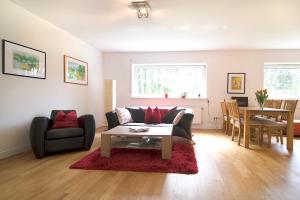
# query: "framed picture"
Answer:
x=236 y=83
x=20 y=60
x=76 y=71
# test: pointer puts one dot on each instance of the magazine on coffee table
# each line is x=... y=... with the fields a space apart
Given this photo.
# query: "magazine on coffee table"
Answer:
x=138 y=129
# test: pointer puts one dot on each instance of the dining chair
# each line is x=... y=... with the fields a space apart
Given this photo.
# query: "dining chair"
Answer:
x=276 y=127
x=276 y=103
x=289 y=105
x=230 y=116
x=224 y=116
x=268 y=103
x=238 y=122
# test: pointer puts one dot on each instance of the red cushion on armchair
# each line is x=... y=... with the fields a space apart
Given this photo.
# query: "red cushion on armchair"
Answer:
x=65 y=120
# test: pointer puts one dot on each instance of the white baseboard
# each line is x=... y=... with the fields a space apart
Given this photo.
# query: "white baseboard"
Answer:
x=205 y=126
x=14 y=151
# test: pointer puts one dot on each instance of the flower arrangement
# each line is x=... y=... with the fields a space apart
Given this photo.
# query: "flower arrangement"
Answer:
x=261 y=97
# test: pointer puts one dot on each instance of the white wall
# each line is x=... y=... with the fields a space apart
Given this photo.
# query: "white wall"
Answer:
x=24 y=98
x=118 y=66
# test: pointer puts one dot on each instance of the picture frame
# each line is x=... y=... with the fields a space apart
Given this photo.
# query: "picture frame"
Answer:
x=24 y=61
x=75 y=71
x=236 y=83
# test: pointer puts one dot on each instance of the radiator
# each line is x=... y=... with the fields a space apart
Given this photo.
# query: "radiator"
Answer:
x=198 y=114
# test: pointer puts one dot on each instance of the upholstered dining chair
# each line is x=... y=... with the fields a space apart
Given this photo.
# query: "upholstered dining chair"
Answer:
x=277 y=126
x=268 y=103
x=238 y=123
x=230 y=116
x=45 y=139
x=276 y=103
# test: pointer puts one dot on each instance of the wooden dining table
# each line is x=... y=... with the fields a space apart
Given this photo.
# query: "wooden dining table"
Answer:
x=251 y=111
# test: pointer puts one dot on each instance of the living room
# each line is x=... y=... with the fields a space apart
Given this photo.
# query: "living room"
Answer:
x=222 y=37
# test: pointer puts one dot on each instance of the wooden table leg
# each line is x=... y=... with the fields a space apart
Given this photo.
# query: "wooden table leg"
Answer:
x=166 y=147
x=290 y=131
x=105 y=145
x=246 y=128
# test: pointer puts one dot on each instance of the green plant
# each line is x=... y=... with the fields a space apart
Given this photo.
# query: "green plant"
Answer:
x=261 y=97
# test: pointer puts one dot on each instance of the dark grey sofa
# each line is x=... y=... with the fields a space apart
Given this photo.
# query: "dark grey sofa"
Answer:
x=183 y=129
x=45 y=140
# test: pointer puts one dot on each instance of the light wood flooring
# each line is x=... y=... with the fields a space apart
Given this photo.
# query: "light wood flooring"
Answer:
x=226 y=171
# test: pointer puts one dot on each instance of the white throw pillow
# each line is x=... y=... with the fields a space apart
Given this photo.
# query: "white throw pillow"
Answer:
x=123 y=115
x=178 y=117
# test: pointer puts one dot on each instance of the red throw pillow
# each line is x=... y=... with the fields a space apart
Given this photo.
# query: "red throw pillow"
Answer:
x=148 y=115
x=63 y=120
x=156 y=117
x=163 y=112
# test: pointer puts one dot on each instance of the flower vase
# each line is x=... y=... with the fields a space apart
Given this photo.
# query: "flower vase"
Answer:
x=261 y=105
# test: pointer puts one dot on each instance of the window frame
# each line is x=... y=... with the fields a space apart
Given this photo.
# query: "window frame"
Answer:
x=280 y=65
x=204 y=65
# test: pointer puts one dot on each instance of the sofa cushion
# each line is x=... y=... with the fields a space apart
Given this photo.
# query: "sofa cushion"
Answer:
x=137 y=114
x=163 y=111
x=112 y=119
x=178 y=117
x=123 y=115
x=156 y=117
x=148 y=115
x=170 y=115
x=65 y=120
x=64 y=133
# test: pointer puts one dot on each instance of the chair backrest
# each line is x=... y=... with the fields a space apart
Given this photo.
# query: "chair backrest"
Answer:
x=223 y=107
x=268 y=103
x=289 y=105
x=276 y=104
x=54 y=112
x=235 y=110
x=229 y=108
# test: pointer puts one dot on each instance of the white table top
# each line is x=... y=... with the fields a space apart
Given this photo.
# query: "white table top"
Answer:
x=153 y=131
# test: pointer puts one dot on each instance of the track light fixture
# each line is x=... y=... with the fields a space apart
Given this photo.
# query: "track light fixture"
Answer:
x=142 y=8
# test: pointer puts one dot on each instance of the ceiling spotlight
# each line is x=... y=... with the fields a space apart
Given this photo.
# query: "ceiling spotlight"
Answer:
x=142 y=8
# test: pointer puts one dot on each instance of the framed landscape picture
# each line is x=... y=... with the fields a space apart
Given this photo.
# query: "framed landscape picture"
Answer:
x=20 y=60
x=236 y=83
x=76 y=71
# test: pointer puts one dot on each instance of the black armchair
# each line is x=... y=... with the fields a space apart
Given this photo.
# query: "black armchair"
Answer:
x=45 y=140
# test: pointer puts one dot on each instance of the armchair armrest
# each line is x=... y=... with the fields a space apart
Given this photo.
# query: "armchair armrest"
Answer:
x=186 y=123
x=38 y=129
x=87 y=122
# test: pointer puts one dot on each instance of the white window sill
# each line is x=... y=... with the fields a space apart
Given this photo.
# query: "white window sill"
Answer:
x=187 y=98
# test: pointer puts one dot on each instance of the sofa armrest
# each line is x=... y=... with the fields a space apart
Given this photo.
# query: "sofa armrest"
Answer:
x=39 y=127
x=87 y=122
x=186 y=123
x=112 y=119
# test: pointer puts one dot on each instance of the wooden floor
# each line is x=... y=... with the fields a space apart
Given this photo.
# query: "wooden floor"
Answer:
x=226 y=171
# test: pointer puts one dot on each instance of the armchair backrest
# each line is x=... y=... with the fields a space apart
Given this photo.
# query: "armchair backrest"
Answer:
x=54 y=112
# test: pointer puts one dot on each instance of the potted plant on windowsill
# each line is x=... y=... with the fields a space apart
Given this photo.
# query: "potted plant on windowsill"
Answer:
x=183 y=95
x=166 y=91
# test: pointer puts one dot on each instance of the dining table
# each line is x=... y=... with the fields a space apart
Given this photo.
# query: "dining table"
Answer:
x=249 y=112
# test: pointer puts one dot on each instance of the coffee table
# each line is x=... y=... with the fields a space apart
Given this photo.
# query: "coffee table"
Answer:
x=162 y=134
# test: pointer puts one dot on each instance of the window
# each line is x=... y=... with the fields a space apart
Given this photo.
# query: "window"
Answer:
x=282 y=80
x=153 y=80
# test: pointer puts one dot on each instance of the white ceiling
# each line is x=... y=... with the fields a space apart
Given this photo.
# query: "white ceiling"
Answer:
x=176 y=25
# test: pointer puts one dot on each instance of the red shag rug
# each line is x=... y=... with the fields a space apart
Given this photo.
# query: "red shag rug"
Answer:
x=142 y=160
